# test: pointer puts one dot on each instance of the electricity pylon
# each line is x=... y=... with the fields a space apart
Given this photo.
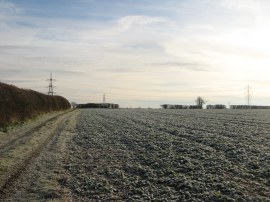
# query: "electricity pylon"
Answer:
x=248 y=95
x=50 y=92
x=104 y=99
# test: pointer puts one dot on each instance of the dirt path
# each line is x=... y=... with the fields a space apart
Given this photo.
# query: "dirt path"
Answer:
x=31 y=155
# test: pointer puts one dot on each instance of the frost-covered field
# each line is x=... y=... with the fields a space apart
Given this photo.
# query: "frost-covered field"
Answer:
x=195 y=155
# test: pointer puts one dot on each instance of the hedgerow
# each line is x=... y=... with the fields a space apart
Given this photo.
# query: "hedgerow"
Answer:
x=18 y=104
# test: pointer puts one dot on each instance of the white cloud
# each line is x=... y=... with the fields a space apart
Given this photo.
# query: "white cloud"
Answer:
x=251 y=6
x=139 y=21
x=7 y=7
x=136 y=55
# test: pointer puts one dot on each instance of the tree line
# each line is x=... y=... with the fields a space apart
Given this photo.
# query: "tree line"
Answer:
x=200 y=102
x=18 y=104
x=199 y=105
x=98 y=105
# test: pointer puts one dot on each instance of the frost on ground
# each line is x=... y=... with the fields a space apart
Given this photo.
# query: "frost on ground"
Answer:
x=139 y=155
x=31 y=160
x=185 y=155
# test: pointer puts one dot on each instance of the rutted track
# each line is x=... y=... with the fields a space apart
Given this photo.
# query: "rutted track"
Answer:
x=53 y=127
x=26 y=135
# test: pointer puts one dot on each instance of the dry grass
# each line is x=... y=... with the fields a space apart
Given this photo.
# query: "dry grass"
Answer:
x=17 y=104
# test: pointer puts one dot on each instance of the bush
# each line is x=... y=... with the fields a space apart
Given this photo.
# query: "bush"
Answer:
x=249 y=107
x=217 y=106
x=19 y=104
x=98 y=105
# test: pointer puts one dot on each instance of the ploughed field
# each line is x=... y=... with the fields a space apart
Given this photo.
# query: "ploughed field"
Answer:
x=195 y=155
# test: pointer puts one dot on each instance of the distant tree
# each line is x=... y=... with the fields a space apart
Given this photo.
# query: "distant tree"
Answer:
x=200 y=102
x=164 y=106
x=73 y=104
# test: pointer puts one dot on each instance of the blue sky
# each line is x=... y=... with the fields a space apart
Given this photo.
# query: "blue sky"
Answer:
x=138 y=52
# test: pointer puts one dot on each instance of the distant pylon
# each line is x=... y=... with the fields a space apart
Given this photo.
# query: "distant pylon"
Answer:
x=50 y=92
x=248 y=94
x=104 y=99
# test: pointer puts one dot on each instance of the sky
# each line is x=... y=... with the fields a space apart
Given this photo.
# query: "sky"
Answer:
x=139 y=53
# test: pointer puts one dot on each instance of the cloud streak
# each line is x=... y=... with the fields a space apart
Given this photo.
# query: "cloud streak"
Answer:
x=166 y=47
